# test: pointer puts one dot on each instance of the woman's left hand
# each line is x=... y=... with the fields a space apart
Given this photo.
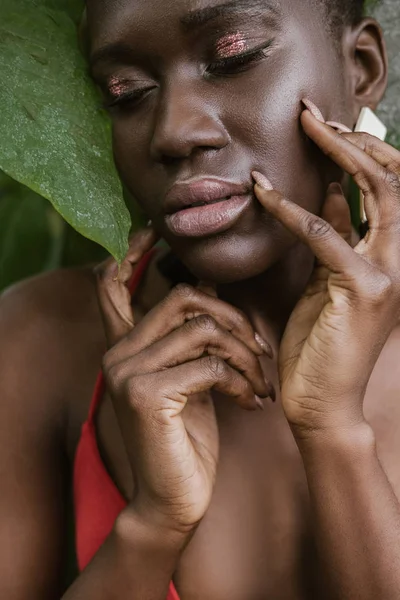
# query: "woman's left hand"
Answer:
x=352 y=302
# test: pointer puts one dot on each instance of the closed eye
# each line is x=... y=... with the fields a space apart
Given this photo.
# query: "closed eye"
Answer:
x=131 y=98
x=241 y=62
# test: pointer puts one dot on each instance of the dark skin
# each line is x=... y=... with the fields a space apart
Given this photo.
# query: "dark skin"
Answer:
x=303 y=504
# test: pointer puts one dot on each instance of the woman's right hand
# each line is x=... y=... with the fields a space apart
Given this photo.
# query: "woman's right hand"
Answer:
x=189 y=344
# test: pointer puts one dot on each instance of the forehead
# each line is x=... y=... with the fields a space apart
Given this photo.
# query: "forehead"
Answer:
x=162 y=28
x=109 y=7
x=110 y=16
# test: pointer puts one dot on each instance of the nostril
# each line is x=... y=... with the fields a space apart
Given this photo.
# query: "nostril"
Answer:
x=170 y=160
x=182 y=129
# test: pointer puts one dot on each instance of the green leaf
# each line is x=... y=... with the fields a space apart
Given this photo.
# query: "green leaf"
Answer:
x=54 y=138
x=74 y=8
x=26 y=243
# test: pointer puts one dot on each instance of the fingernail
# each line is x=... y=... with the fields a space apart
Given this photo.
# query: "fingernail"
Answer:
x=271 y=390
x=264 y=346
x=335 y=188
x=208 y=288
x=262 y=181
x=339 y=126
x=149 y=223
x=314 y=110
x=259 y=402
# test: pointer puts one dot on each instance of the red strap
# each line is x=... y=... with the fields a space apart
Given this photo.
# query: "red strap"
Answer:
x=140 y=269
x=133 y=284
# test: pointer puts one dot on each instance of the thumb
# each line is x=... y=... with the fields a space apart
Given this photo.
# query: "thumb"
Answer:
x=336 y=212
x=112 y=287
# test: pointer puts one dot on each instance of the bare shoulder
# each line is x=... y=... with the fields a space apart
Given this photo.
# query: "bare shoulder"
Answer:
x=382 y=406
x=44 y=315
x=55 y=294
x=51 y=340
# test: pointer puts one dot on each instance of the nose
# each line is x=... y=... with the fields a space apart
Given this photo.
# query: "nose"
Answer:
x=184 y=123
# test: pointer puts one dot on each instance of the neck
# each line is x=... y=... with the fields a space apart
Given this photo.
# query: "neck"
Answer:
x=269 y=299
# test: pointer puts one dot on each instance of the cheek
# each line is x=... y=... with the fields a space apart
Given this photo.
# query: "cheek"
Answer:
x=271 y=137
x=265 y=120
x=130 y=150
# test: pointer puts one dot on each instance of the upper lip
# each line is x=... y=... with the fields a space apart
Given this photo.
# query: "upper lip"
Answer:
x=205 y=190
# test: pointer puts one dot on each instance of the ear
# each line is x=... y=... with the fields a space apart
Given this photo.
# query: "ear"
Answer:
x=367 y=62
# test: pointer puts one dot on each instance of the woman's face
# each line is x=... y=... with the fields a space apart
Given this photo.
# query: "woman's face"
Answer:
x=202 y=93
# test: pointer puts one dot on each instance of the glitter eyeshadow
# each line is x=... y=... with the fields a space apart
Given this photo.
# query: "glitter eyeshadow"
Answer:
x=117 y=87
x=231 y=44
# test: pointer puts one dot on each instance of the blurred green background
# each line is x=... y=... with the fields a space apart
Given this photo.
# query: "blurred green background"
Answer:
x=34 y=238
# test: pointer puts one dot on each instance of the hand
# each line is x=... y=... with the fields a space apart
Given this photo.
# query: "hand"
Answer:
x=183 y=348
x=340 y=325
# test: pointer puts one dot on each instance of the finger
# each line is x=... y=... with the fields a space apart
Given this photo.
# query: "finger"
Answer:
x=112 y=287
x=371 y=177
x=156 y=400
x=352 y=159
x=170 y=389
x=387 y=156
x=339 y=127
x=204 y=374
x=183 y=304
x=329 y=247
x=207 y=288
x=336 y=212
x=348 y=156
x=199 y=336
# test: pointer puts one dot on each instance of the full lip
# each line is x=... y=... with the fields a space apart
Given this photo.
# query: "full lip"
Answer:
x=204 y=190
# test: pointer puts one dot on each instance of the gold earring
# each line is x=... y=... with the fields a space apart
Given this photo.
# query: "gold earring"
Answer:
x=368 y=122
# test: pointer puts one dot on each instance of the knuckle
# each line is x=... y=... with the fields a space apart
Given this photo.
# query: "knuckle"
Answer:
x=205 y=324
x=368 y=142
x=363 y=181
x=382 y=290
x=240 y=320
x=216 y=366
x=183 y=291
x=394 y=166
x=391 y=182
x=106 y=362
x=377 y=290
x=317 y=228
x=365 y=139
x=109 y=361
x=114 y=377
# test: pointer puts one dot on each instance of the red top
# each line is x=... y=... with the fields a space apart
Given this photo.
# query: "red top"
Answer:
x=97 y=500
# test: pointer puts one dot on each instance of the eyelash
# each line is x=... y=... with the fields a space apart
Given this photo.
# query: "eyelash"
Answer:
x=225 y=67
x=126 y=98
x=237 y=64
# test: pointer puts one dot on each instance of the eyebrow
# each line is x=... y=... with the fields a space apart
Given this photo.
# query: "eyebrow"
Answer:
x=198 y=18
x=120 y=52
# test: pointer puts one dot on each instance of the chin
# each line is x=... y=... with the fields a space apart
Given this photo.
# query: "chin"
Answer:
x=230 y=258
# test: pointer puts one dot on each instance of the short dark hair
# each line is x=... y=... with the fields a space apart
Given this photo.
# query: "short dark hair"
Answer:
x=352 y=11
x=340 y=13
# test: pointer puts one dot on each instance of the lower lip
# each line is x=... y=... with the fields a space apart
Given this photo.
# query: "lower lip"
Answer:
x=208 y=219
